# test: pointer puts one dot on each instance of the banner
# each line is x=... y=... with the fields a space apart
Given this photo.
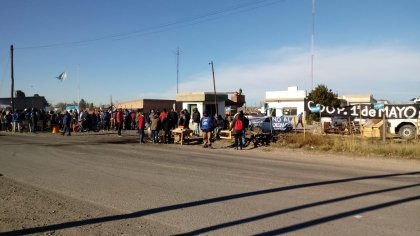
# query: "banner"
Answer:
x=277 y=123
x=405 y=111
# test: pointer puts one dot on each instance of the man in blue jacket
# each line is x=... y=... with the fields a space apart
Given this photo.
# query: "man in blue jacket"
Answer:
x=206 y=129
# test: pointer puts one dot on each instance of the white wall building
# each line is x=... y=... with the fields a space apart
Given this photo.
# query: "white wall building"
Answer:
x=355 y=99
x=285 y=103
x=203 y=101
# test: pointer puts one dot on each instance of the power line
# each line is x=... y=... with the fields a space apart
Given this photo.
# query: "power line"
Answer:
x=234 y=9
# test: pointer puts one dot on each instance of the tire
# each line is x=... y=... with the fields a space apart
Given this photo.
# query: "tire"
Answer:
x=407 y=132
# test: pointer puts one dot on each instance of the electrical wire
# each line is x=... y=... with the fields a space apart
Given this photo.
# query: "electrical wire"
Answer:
x=188 y=21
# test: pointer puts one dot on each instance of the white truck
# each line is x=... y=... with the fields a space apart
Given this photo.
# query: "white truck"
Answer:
x=404 y=128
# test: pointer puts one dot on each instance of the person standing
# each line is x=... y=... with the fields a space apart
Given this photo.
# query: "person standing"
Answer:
x=141 y=123
x=300 y=117
x=155 y=125
x=127 y=120
x=164 y=121
x=206 y=129
x=119 y=120
x=238 y=129
x=246 y=126
x=173 y=119
x=187 y=118
x=181 y=119
x=196 y=117
x=66 y=123
x=34 y=120
x=16 y=121
x=8 y=121
x=106 y=119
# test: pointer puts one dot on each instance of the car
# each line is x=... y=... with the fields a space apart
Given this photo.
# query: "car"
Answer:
x=276 y=124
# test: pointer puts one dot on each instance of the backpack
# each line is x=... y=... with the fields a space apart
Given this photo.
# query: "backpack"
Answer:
x=206 y=123
x=239 y=125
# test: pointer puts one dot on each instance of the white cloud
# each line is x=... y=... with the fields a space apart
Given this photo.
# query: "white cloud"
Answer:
x=386 y=72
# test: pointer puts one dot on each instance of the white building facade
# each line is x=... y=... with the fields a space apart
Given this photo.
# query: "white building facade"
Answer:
x=203 y=101
x=288 y=103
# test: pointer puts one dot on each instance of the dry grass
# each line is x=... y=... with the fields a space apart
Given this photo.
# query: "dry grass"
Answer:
x=352 y=145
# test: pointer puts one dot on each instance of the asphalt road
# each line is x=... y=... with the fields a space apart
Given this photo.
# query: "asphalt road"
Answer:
x=191 y=190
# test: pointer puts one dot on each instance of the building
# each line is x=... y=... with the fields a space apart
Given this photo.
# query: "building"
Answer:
x=287 y=103
x=22 y=102
x=148 y=104
x=354 y=99
x=203 y=101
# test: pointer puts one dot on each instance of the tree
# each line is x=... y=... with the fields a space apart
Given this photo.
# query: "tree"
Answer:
x=324 y=96
x=83 y=104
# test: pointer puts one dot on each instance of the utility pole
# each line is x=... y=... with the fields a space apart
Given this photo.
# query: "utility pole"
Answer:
x=78 y=85
x=214 y=86
x=12 y=77
x=177 y=69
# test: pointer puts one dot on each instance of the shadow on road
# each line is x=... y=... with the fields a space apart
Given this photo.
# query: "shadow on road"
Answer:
x=291 y=228
x=301 y=207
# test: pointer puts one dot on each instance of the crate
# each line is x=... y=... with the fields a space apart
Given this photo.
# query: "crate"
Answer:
x=373 y=131
x=225 y=134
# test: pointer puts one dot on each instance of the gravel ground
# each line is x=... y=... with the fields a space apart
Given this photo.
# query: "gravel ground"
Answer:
x=23 y=204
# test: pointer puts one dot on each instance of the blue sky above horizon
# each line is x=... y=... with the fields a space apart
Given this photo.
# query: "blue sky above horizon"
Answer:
x=126 y=49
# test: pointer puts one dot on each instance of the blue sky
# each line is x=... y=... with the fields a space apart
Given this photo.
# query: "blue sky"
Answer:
x=126 y=48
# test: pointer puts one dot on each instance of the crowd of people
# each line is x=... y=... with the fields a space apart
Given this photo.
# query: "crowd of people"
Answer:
x=158 y=125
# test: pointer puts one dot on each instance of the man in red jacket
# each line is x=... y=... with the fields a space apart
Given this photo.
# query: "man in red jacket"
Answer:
x=141 y=125
x=119 y=120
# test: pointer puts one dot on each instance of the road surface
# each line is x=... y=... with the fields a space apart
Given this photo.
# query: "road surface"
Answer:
x=101 y=184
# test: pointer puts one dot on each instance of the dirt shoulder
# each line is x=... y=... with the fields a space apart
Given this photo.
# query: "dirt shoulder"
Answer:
x=29 y=210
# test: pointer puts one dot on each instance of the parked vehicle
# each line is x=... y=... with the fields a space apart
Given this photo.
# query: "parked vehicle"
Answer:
x=404 y=128
x=276 y=124
x=271 y=124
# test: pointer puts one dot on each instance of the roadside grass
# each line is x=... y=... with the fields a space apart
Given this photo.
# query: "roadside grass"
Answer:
x=351 y=145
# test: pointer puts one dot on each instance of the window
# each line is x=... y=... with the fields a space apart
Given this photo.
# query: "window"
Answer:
x=289 y=111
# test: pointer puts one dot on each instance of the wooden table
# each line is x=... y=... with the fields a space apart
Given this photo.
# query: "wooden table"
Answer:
x=181 y=134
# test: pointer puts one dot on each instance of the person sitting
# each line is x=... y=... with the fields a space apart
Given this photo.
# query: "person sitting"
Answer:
x=219 y=125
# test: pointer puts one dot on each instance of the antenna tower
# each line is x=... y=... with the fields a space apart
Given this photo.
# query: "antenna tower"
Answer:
x=312 y=44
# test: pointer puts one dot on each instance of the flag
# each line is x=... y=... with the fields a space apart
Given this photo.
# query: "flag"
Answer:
x=62 y=76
